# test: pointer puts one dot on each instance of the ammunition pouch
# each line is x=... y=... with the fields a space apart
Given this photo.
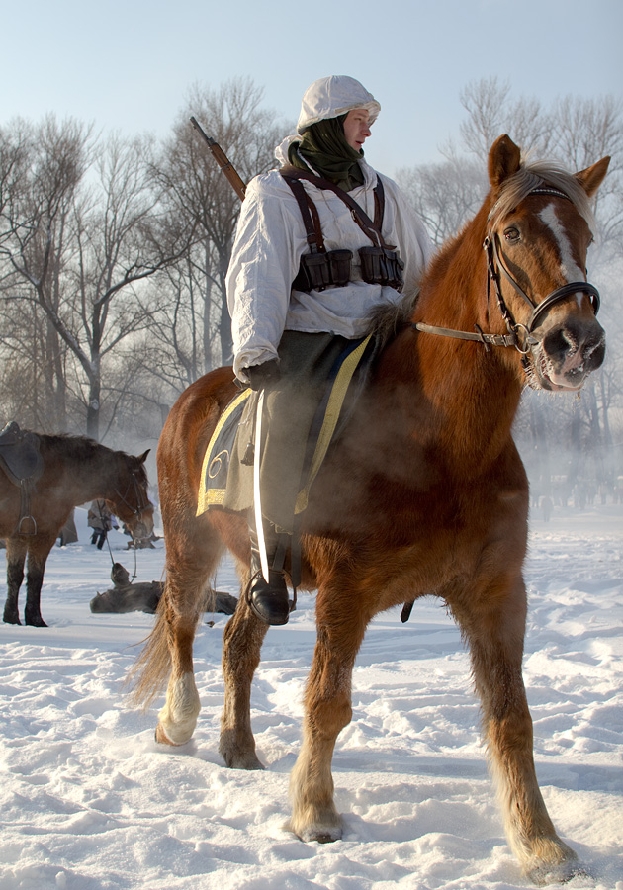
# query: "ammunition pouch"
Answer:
x=380 y=265
x=318 y=271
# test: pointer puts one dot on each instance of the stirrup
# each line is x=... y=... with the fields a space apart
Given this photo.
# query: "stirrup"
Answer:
x=269 y=600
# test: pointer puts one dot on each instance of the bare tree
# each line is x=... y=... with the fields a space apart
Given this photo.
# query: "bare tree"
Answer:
x=75 y=244
x=491 y=112
x=122 y=240
x=37 y=221
x=445 y=195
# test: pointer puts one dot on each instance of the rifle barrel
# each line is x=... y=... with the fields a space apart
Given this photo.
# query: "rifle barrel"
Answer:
x=223 y=161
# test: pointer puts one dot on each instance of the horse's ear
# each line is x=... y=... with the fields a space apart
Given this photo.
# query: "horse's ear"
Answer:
x=592 y=177
x=142 y=457
x=504 y=160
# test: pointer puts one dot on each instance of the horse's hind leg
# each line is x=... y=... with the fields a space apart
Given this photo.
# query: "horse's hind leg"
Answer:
x=242 y=641
x=190 y=563
x=16 y=549
x=493 y=624
x=178 y=718
x=340 y=630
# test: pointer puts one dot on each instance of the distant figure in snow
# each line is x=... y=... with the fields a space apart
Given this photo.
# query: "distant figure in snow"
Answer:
x=143 y=596
x=101 y=519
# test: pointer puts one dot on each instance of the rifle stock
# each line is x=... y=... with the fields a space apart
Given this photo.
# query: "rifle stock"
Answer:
x=222 y=160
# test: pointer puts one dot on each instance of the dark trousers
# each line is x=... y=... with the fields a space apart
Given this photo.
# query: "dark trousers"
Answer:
x=306 y=361
x=98 y=537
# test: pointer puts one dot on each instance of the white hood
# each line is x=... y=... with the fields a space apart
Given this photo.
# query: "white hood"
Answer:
x=281 y=150
x=331 y=96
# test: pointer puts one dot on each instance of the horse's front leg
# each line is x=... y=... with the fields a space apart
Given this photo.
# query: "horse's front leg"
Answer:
x=242 y=642
x=494 y=625
x=16 y=549
x=38 y=551
x=340 y=630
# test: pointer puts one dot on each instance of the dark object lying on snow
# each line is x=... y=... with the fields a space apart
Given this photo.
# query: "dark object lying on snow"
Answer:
x=143 y=596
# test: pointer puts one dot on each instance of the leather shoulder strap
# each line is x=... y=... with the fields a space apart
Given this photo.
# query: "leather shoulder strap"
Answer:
x=308 y=211
x=379 y=202
x=370 y=228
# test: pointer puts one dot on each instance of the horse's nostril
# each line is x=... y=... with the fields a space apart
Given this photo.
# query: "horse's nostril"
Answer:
x=594 y=354
x=560 y=343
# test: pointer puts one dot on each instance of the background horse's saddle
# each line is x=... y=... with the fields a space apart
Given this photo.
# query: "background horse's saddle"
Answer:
x=20 y=454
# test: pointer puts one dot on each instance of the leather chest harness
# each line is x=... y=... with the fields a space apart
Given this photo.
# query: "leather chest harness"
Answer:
x=322 y=268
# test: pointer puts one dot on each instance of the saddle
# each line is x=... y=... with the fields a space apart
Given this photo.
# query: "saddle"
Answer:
x=22 y=462
x=20 y=454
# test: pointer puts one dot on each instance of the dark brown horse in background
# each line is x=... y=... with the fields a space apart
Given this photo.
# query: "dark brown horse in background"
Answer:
x=423 y=493
x=75 y=470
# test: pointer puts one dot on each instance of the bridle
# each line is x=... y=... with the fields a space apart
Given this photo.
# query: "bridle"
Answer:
x=141 y=503
x=519 y=335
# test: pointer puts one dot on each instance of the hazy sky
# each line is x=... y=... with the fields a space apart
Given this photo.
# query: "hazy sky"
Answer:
x=128 y=65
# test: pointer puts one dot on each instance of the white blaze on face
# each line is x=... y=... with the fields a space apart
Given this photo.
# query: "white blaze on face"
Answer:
x=568 y=265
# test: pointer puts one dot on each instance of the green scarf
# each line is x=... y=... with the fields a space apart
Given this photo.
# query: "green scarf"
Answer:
x=325 y=147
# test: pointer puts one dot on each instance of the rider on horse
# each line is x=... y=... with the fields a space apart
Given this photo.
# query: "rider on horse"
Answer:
x=321 y=244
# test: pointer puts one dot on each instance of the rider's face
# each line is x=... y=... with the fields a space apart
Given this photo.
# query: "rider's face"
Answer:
x=357 y=127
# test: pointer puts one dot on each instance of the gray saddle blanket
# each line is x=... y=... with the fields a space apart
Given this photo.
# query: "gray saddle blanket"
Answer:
x=20 y=454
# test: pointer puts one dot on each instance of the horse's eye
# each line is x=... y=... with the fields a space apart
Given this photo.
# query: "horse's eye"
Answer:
x=511 y=234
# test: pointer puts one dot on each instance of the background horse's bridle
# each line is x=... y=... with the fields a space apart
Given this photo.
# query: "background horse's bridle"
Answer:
x=520 y=335
x=141 y=504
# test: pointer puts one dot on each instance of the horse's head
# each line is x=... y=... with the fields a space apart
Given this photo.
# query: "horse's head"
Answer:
x=131 y=502
x=538 y=235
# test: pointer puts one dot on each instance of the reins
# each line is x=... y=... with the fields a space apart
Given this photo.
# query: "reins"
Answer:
x=519 y=334
x=136 y=512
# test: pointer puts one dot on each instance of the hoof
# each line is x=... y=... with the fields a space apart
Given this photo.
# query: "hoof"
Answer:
x=11 y=619
x=238 y=753
x=162 y=738
x=325 y=838
x=242 y=761
x=319 y=834
x=560 y=873
x=37 y=621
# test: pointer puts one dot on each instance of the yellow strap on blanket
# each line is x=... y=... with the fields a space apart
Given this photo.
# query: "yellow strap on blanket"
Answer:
x=332 y=413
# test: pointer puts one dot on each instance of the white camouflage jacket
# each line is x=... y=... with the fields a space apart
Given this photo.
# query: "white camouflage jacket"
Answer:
x=266 y=255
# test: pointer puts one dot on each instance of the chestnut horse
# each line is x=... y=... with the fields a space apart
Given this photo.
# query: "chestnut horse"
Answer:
x=75 y=470
x=423 y=493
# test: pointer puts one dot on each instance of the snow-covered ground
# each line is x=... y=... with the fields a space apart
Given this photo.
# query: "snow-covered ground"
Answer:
x=89 y=801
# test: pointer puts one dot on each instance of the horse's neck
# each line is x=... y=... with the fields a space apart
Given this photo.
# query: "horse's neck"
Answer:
x=457 y=395
x=454 y=290
x=90 y=478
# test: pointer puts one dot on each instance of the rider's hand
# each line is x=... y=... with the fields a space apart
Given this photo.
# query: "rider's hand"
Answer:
x=264 y=375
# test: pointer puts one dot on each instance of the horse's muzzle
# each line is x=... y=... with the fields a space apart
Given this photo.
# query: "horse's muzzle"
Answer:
x=567 y=353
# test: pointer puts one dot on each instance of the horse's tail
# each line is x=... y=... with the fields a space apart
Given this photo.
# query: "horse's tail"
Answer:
x=150 y=672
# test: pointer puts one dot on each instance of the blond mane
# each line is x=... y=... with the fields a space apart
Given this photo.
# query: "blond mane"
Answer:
x=534 y=175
